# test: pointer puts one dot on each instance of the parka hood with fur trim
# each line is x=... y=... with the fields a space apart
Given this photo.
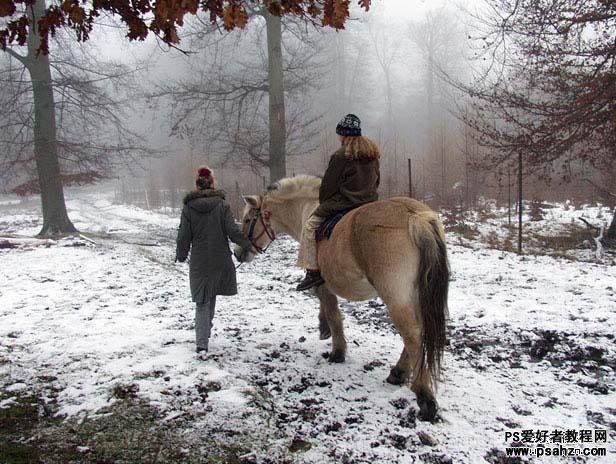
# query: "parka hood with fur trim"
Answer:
x=204 y=200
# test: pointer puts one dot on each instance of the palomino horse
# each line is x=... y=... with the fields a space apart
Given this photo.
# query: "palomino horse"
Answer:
x=393 y=248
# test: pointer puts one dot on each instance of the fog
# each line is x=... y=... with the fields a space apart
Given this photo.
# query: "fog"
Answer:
x=203 y=104
x=205 y=101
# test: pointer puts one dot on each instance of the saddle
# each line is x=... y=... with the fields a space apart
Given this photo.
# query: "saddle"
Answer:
x=327 y=226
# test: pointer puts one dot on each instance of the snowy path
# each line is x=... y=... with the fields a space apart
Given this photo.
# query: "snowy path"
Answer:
x=532 y=347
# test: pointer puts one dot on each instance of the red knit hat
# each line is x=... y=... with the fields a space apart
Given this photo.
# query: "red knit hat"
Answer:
x=204 y=171
x=205 y=177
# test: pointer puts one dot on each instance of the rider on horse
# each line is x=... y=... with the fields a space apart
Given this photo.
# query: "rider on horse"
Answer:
x=351 y=179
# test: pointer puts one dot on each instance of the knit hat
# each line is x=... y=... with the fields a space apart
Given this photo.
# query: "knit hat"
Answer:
x=204 y=171
x=349 y=126
x=205 y=177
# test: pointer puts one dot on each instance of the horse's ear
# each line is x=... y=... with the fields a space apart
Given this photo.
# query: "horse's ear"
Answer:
x=253 y=201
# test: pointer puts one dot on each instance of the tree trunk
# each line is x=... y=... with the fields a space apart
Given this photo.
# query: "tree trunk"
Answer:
x=520 y=206
x=610 y=235
x=55 y=217
x=277 y=123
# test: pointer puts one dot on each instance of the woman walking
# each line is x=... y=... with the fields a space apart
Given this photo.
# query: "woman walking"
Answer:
x=206 y=225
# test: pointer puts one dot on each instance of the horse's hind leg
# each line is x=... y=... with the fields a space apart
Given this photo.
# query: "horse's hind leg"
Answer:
x=399 y=374
x=410 y=361
x=330 y=313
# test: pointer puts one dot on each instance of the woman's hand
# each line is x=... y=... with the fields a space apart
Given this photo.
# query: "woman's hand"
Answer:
x=244 y=255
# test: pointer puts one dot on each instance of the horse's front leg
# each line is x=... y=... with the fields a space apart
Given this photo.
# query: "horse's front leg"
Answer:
x=329 y=314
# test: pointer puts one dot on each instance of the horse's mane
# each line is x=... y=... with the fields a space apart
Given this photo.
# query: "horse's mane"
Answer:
x=291 y=188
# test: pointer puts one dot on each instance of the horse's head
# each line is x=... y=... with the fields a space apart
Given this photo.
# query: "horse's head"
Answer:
x=256 y=226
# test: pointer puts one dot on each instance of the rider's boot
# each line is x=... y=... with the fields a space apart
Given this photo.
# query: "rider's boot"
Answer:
x=312 y=279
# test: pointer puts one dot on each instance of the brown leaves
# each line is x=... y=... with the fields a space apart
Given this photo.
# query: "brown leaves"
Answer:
x=163 y=17
x=336 y=13
x=53 y=18
x=7 y=8
x=234 y=15
x=16 y=31
x=313 y=10
x=76 y=14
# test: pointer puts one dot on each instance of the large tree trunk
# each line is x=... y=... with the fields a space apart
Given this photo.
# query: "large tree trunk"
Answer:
x=277 y=124
x=55 y=217
x=610 y=235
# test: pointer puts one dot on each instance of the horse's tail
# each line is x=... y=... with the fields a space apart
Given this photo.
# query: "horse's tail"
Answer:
x=432 y=286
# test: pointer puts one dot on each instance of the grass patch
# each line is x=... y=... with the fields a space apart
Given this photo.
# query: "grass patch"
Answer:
x=463 y=230
x=19 y=420
x=130 y=431
x=560 y=244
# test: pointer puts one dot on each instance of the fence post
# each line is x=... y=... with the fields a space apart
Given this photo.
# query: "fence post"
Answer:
x=410 y=178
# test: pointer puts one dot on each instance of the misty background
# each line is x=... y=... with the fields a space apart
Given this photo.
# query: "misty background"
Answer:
x=143 y=116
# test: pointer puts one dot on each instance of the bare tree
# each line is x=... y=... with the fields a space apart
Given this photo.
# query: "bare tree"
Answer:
x=238 y=108
x=551 y=99
x=64 y=122
x=387 y=49
x=55 y=218
x=277 y=121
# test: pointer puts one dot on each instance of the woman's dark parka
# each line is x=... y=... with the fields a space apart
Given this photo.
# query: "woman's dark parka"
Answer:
x=207 y=223
x=348 y=182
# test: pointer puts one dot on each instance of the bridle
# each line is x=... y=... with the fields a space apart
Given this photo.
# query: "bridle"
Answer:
x=267 y=229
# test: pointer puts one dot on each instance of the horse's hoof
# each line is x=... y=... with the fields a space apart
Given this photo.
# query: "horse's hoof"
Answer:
x=336 y=357
x=396 y=376
x=427 y=408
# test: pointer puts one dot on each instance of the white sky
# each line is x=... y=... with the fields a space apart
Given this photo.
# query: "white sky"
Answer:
x=407 y=8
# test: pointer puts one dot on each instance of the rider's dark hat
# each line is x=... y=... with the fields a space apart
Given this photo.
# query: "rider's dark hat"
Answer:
x=349 y=126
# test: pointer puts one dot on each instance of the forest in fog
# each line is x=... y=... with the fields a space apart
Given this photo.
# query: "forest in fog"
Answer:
x=423 y=79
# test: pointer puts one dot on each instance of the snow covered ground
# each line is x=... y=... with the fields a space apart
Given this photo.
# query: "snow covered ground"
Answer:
x=548 y=228
x=531 y=346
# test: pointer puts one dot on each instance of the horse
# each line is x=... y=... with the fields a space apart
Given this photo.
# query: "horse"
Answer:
x=392 y=248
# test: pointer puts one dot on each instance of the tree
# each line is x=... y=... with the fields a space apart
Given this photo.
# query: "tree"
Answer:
x=32 y=22
x=553 y=100
x=277 y=121
x=64 y=123
x=387 y=52
x=226 y=105
x=439 y=42
x=55 y=218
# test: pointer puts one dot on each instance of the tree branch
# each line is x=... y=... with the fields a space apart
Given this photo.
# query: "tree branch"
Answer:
x=17 y=56
x=603 y=190
x=589 y=225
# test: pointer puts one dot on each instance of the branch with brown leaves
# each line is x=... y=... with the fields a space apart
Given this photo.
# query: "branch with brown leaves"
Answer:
x=162 y=18
x=552 y=99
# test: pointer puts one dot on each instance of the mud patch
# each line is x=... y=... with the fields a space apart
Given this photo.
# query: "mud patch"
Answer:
x=588 y=361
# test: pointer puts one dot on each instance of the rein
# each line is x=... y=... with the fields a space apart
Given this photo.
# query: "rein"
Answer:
x=267 y=229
